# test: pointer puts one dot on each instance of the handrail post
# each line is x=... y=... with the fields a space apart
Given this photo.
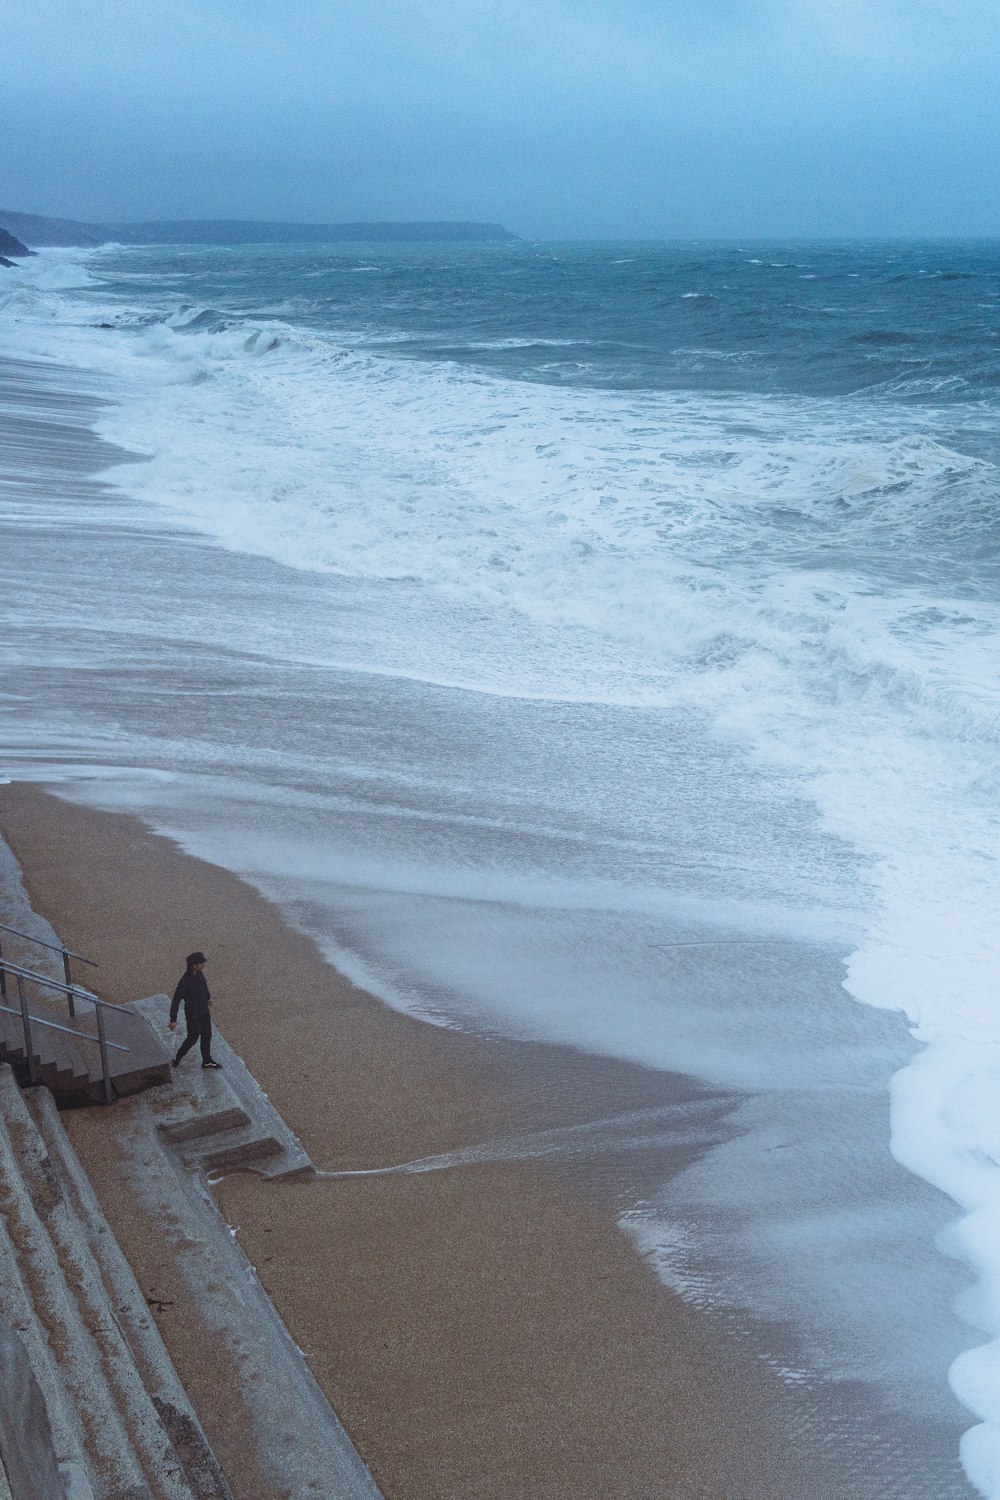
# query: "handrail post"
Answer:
x=69 y=982
x=26 y=1023
x=109 y=1097
x=3 y=981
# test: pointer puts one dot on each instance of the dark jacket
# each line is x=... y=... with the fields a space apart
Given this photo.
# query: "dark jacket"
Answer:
x=195 y=994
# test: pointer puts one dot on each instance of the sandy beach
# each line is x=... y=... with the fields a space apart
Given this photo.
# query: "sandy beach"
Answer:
x=482 y=1329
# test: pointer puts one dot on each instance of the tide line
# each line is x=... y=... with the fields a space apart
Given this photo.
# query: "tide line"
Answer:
x=673 y=1125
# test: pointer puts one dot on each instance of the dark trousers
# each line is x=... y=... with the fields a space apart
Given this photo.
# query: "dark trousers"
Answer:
x=199 y=1028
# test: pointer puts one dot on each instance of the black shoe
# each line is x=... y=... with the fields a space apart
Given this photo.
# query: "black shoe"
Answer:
x=175 y=1062
x=211 y=1063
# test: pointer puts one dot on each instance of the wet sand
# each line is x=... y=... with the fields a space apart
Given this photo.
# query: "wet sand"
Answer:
x=483 y=1329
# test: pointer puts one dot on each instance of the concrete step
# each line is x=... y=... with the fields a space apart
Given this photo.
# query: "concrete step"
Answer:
x=122 y=1427
x=222 y=1121
x=40 y=1305
x=57 y=1058
x=208 y=1123
x=224 y=1140
x=240 y=1153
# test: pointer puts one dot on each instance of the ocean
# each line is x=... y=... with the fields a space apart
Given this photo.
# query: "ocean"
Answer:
x=595 y=644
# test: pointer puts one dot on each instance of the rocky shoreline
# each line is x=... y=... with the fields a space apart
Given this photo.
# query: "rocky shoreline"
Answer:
x=11 y=245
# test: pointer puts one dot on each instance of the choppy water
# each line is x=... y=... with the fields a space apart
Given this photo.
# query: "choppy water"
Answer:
x=555 y=606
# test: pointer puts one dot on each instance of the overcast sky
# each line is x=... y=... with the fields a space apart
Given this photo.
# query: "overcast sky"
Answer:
x=575 y=118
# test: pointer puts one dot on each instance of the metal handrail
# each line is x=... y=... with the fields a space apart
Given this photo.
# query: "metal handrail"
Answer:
x=21 y=974
x=67 y=954
x=56 y=947
x=82 y=1036
x=56 y=984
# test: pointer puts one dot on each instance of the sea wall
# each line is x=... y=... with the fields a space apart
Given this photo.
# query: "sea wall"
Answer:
x=26 y=1444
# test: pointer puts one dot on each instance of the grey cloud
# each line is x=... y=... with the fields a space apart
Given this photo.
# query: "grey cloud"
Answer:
x=575 y=117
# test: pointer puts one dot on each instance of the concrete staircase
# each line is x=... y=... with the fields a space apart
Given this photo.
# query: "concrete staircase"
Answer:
x=220 y=1122
x=71 y=1065
x=58 y=1058
x=121 y=1425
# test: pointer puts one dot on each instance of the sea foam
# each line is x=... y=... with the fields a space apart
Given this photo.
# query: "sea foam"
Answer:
x=813 y=577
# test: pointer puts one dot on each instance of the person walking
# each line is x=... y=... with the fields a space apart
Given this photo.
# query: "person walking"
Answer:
x=193 y=990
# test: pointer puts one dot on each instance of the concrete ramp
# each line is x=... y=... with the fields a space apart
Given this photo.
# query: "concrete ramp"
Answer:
x=175 y=1142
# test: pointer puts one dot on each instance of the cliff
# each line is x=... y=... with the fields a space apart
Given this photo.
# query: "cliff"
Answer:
x=39 y=231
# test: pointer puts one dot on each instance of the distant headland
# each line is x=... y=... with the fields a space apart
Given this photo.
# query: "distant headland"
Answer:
x=9 y=245
x=38 y=232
